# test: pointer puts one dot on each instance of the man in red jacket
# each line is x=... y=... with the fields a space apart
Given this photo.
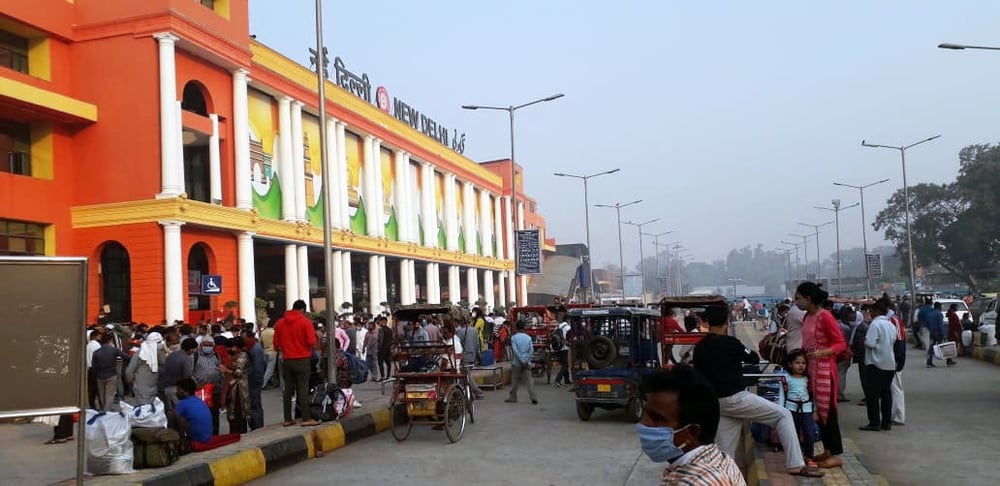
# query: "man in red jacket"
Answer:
x=295 y=339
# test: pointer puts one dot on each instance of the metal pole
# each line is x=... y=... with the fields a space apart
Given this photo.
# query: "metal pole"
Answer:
x=590 y=260
x=819 y=261
x=840 y=289
x=642 y=266
x=621 y=253
x=656 y=250
x=513 y=202
x=325 y=178
x=864 y=243
x=909 y=238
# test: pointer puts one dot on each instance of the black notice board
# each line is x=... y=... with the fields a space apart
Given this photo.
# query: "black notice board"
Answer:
x=42 y=327
x=529 y=252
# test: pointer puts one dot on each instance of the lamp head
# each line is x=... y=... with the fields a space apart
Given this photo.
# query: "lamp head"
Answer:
x=949 y=45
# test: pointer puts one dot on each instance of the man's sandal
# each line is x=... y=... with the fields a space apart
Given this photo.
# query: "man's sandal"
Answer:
x=808 y=471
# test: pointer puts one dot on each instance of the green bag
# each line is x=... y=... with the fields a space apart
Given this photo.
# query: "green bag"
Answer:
x=155 y=447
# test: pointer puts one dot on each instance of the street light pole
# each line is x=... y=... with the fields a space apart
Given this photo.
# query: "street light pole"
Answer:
x=586 y=218
x=621 y=253
x=836 y=209
x=656 y=246
x=864 y=229
x=642 y=263
x=906 y=200
x=805 y=254
x=797 y=261
x=733 y=281
x=819 y=259
x=513 y=167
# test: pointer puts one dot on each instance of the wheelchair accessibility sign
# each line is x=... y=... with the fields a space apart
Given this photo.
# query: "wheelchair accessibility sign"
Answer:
x=211 y=284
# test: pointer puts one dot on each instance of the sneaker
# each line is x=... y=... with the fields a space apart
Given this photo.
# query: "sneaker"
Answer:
x=931 y=365
x=952 y=363
x=534 y=402
x=558 y=384
x=898 y=424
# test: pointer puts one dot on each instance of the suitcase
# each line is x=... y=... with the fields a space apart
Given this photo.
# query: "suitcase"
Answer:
x=155 y=447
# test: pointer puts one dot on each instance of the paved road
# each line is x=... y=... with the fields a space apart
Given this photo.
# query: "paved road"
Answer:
x=952 y=435
x=509 y=444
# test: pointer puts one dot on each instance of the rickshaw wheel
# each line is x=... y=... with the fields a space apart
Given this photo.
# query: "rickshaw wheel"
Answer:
x=454 y=415
x=470 y=404
x=401 y=424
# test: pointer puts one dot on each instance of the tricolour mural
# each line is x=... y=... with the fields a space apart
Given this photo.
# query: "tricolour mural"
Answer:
x=264 y=161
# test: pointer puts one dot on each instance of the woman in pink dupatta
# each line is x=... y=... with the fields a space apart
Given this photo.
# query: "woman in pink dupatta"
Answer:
x=822 y=341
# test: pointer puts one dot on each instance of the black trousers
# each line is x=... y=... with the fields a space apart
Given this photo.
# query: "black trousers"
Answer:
x=385 y=362
x=296 y=383
x=65 y=428
x=878 y=396
x=863 y=377
x=830 y=432
x=563 y=375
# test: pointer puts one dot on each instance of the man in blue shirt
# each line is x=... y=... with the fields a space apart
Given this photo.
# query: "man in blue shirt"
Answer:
x=923 y=322
x=936 y=328
x=193 y=415
x=521 y=364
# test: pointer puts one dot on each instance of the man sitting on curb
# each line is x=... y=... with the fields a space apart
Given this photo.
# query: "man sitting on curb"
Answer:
x=194 y=419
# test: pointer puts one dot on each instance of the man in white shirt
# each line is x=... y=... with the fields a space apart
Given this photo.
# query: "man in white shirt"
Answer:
x=563 y=378
x=92 y=345
x=793 y=324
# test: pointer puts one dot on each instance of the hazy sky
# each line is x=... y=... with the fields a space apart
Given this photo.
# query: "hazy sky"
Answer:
x=730 y=119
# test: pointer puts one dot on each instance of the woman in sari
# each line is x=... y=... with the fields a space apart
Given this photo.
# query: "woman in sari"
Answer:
x=823 y=342
x=238 y=403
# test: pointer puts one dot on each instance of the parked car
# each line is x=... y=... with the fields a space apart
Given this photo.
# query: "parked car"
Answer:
x=989 y=315
x=979 y=306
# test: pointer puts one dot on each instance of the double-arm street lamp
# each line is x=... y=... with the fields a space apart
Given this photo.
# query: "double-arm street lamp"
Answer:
x=642 y=264
x=656 y=251
x=586 y=218
x=621 y=253
x=819 y=259
x=513 y=180
x=805 y=252
x=796 y=246
x=864 y=229
x=836 y=209
x=906 y=205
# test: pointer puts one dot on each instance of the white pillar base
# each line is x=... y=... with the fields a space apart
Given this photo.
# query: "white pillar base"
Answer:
x=247 y=276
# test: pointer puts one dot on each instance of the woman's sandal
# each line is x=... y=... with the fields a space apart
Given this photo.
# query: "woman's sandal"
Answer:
x=56 y=441
x=831 y=462
x=808 y=471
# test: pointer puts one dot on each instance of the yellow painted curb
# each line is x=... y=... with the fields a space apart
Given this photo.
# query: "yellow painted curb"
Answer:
x=757 y=472
x=382 y=419
x=239 y=468
x=310 y=438
x=329 y=437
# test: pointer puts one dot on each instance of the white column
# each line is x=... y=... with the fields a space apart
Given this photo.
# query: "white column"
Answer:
x=407 y=287
x=472 y=285
x=379 y=189
x=502 y=287
x=241 y=139
x=469 y=219
x=454 y=284
x=335 y=177
x=498 y=232
x=511 y=286
x=429 y=209
x=298 y=157
x=345 y=220
x=338 y=280
x=291 y=275
x=179 y=141
x=411 y=269
x=214 y=162
x=401 y=163
x=411 y=209
x=433 y=288
x=286 y=162
x=486 y=223
x=173 y=271
x=170 y=185
x=246 y=276
x=488 y=294
x=348 y=282
x=373 y=283
x=450 y=214
x=383 y=284
x=303 y=262
x=368 y=185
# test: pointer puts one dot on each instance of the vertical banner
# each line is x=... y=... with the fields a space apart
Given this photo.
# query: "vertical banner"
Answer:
x=528 y=245
x=416 y=196
x=439 y=207
x=460 y=203
x=873 y=263
x=476 y=213
x=264 y=163
x=355 y=166
x=313 y=167
x=389 y=217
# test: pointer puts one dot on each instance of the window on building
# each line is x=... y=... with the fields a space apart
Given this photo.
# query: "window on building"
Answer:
x=15 y=147
x=208 y=3
x=197 y=266
x=196 y=173
x=116 y=281
x=194 y=99
x=13 y=51
x=21 y=239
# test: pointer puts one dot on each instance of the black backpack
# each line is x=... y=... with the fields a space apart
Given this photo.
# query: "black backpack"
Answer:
x=556 y=340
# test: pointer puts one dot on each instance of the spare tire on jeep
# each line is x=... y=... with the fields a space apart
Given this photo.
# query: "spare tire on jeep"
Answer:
x=601 y=352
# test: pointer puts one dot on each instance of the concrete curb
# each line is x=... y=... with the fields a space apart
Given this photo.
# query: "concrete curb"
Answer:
x=989 y=355
x=247 y=465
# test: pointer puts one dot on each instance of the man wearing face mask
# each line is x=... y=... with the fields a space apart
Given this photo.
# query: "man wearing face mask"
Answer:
x=678 y=426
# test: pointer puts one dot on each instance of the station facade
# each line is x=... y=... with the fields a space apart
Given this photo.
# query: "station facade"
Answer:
x=162 y=142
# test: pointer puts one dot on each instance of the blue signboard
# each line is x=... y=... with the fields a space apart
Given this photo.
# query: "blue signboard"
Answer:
x=211 y=284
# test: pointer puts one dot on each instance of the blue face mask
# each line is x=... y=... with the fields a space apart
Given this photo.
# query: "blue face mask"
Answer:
x=658 y=443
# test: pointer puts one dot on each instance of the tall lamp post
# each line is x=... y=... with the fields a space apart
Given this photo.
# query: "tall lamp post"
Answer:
x=586 y=218
x=796 y=246
x=788 y=264
x=642 y=263
x=621 y=253
x=680 y=261
x=819 y=259
x=906 y=205
x=805 y=252
x=864 y=229
x=513 y=180
x=836 y=209
x=733 y=281
x=656 y=251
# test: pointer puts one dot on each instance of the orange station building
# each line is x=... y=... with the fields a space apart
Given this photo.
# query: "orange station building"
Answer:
x=158 y=139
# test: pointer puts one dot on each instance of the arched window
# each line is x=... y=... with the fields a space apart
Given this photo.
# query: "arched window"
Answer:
x=116 y=281
x=197 y=266
x=194 y=99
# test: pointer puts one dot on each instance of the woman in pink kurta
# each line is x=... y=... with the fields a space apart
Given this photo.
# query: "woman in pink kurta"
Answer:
x=822 y=341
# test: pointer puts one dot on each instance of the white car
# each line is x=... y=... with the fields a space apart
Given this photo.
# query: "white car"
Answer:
x=963 y=309
x=989 y=315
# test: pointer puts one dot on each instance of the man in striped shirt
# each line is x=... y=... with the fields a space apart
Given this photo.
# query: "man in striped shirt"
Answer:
x=681 y=402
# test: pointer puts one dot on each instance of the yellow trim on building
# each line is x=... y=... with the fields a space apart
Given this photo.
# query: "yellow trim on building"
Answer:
x=300 y=75
x=39 y=58
x=48 y=99
x=221 y=7
x=226 y=218
x=41 y=151
x=50 y=239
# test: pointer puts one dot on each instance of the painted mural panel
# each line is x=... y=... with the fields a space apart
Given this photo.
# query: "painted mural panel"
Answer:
x=416 y=196
x=439 y=206
x=389 y=178
x=460 y=214
x=476 y=224
x=355 y=169
x=313 y=166
x=264 y=160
